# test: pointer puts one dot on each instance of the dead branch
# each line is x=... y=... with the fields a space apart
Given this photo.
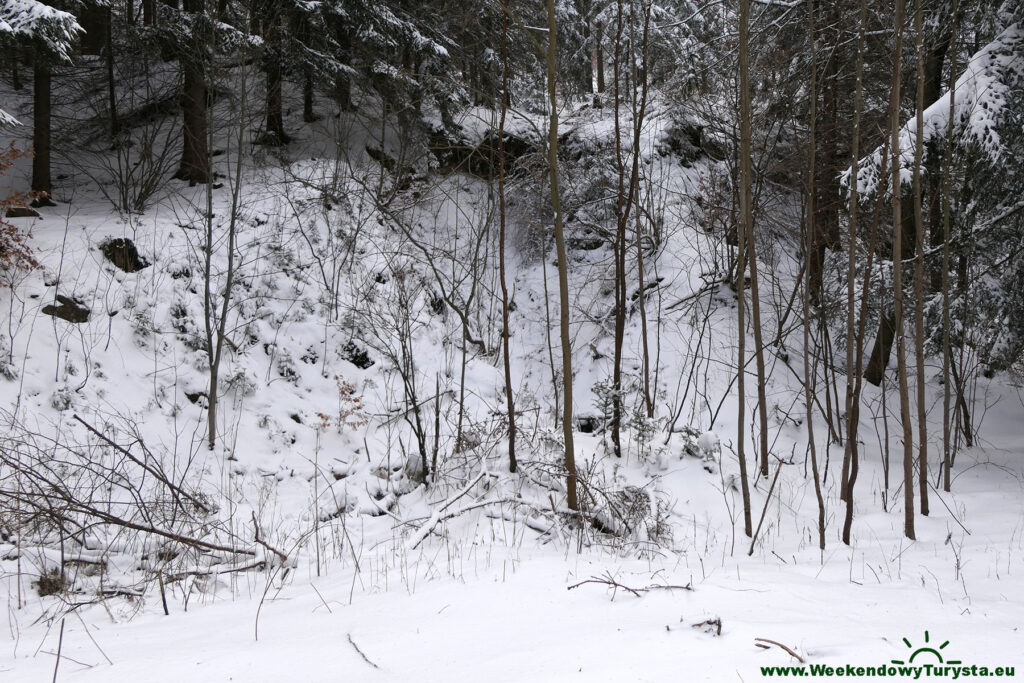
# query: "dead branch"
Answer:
x=256 y=526
x=765 y=643
x=175 y=490
x=609 y=580
x=361 y=653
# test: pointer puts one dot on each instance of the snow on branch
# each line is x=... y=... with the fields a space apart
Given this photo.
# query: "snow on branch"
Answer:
x=8 y=120
x=33 y=19
x=980 y=96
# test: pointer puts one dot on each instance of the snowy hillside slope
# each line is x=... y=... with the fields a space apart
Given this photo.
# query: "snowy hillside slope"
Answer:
x=325 y=555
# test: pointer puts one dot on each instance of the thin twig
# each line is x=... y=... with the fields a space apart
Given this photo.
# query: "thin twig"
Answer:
x=152 y=470
x=609 y=580
x=767 y=500
x=361 y=653
x=60 y=644
x=760 y=643
x=256 y=526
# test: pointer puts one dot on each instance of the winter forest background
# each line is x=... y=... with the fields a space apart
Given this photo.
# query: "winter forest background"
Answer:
x=520 y=339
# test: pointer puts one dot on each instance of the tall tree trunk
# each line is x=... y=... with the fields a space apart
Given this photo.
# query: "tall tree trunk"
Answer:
x=745 y=219
x=216 y=322
x=510 y=405
x=148 y=12
x=947 y=459
x=881 y=350
x=934 y=59
x=825 y=228
x=827 y=202
x=639 y=111
x=343 y=93
x=115 y=126
x=195 y=161
x=599 y=57
x=746 y=168
x=275 y=118
x=93 y=19
x=274 y=134
x=622 y=209
x=41 y=181
x=308 y=112
x=13 y=57
x=812 y=153
x=922 y=408
x=854 y=335
x=897 y=268
x=563 y=262
x=587 y=74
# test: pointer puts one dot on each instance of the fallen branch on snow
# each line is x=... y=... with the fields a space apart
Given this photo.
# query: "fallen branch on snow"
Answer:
x=439 y=514
x=361 y=653
x=765 y=643
x=609 y=580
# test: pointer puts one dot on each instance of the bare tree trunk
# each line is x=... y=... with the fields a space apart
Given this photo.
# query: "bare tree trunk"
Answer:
x=509 y=398
x=195 y=163
x=825 y=221
x=41 y=181
x=587 y=72
x=308 y=112
x=563 y=261
x=897 y=268
x=274 y=134
x=216 y=323
x=626 y=200
x=644 y=335
x=854 y=337
x=808 y=231
x=639 y=111
x=755 y=303
x=946 y=220
x=922 y=412
x=742 y=232
x=13 y=57
x=622 y=208
x=827 y=209
x=115 y=126
x=880 y=352
x=935 y=57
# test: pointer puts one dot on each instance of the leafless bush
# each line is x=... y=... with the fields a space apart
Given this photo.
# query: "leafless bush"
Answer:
x=129 y=153
x=96 y=492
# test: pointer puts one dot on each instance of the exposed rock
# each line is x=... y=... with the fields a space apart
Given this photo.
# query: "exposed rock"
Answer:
x=356 y=356
x=689 y=141
x=381 y=157
x=42 y=200
x=22 y=212
x=456 y=154
x=69 y=309
x=122 y=253
x=584 y=243
x=682 y=139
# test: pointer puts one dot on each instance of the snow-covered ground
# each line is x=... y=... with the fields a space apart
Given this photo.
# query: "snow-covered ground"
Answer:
x=376 y=584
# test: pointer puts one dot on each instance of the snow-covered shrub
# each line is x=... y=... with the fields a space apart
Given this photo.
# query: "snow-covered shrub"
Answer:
x=61 y=399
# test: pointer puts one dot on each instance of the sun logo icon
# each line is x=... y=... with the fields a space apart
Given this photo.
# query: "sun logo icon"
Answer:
x=926 y=649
